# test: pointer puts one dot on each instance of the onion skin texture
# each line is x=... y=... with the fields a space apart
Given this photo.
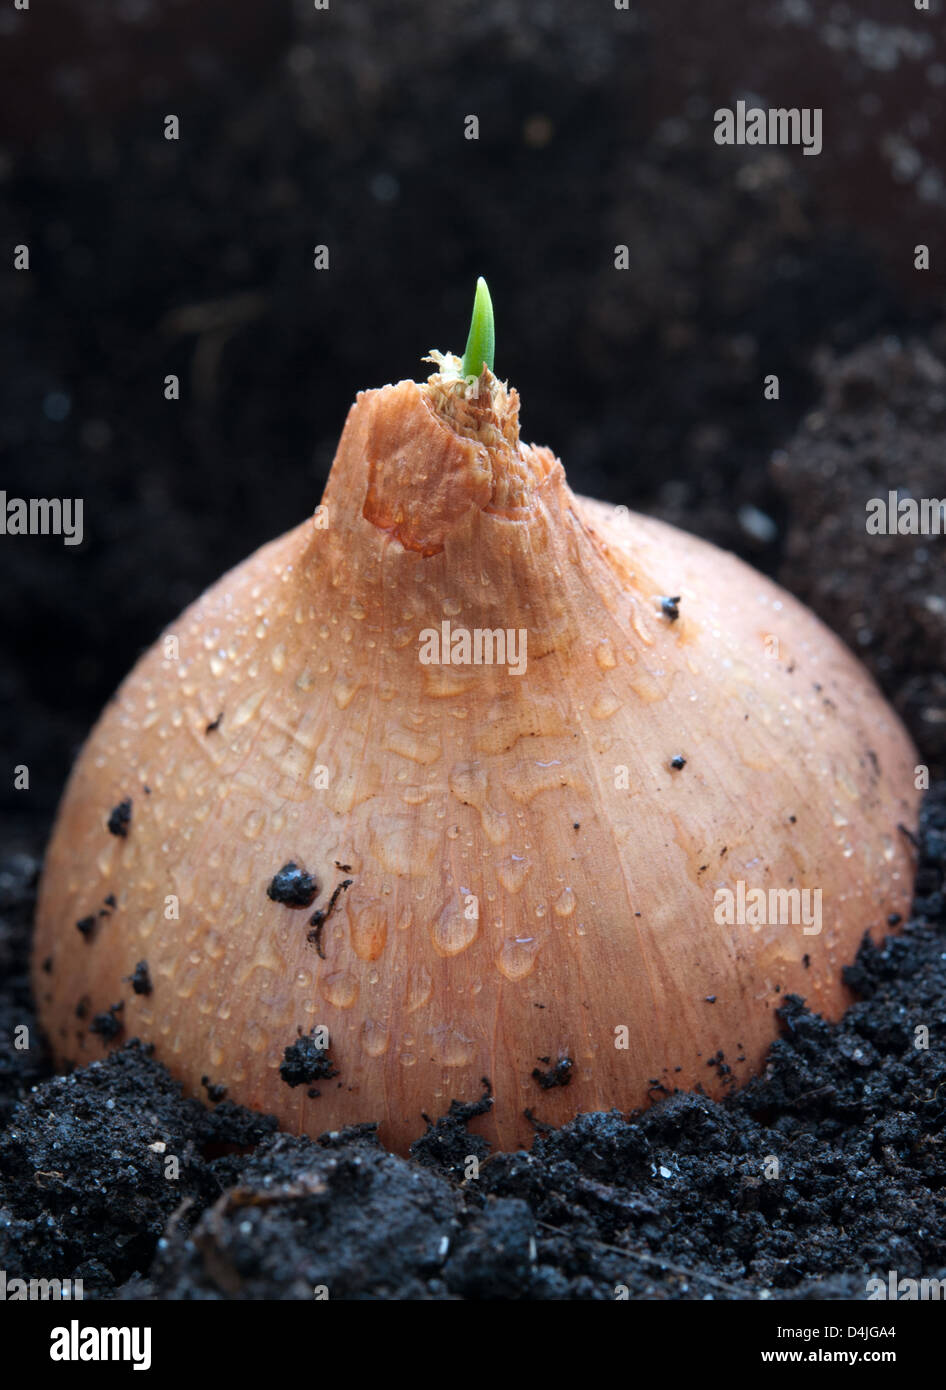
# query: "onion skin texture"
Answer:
x=453 y=783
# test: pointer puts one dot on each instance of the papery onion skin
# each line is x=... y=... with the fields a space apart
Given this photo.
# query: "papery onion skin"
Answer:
x=436 y=789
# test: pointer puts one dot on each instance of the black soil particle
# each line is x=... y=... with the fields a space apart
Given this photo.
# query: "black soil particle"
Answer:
x=108 y=1024
x=86 y=926
x=140 y=979
x=678 y=762
x=119 y=819
x=305 y=1061
x=293 y=887
x=670 y=607
x=559 y=1075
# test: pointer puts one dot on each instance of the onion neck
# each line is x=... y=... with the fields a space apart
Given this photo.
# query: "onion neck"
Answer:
x=433 y=496
x=420 y=460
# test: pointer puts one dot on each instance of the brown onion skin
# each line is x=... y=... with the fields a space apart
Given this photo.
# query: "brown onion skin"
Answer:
x=595 y=904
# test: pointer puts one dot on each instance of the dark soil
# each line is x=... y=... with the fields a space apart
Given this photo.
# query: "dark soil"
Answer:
x=825 y=1171
x=194 y=257
x=880 y=426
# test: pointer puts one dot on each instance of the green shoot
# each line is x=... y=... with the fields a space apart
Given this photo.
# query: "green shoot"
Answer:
x=481 y=344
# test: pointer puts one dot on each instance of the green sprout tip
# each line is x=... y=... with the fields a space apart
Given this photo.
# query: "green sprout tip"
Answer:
x=481 y=344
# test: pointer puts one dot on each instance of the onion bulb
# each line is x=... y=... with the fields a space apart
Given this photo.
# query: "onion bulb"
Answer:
x=469 y=777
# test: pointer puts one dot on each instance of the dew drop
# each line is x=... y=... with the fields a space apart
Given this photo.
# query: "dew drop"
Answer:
x=564 y=904
x=414 y=796
x=344 y=691
x=408 y=744
x=604 y=705
x=340 y=988
x=419 y=988
x=368 y=925
x=604 y=654
x=495 y=825
x=453 y=930
x=518 y=956
x=513 y=872
x=374 y=1038
x=468 y=782
x=246 y=709
x=450 y=1047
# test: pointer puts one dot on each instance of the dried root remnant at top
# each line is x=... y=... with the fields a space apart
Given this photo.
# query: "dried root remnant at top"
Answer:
x=486 y=411
x=437 y=451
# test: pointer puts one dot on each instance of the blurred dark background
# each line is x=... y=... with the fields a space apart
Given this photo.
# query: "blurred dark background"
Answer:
x=345 y=127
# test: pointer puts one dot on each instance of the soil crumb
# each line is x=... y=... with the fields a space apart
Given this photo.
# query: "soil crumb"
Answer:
x=306 y=1061
x=119 y=819
x=292 y=886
